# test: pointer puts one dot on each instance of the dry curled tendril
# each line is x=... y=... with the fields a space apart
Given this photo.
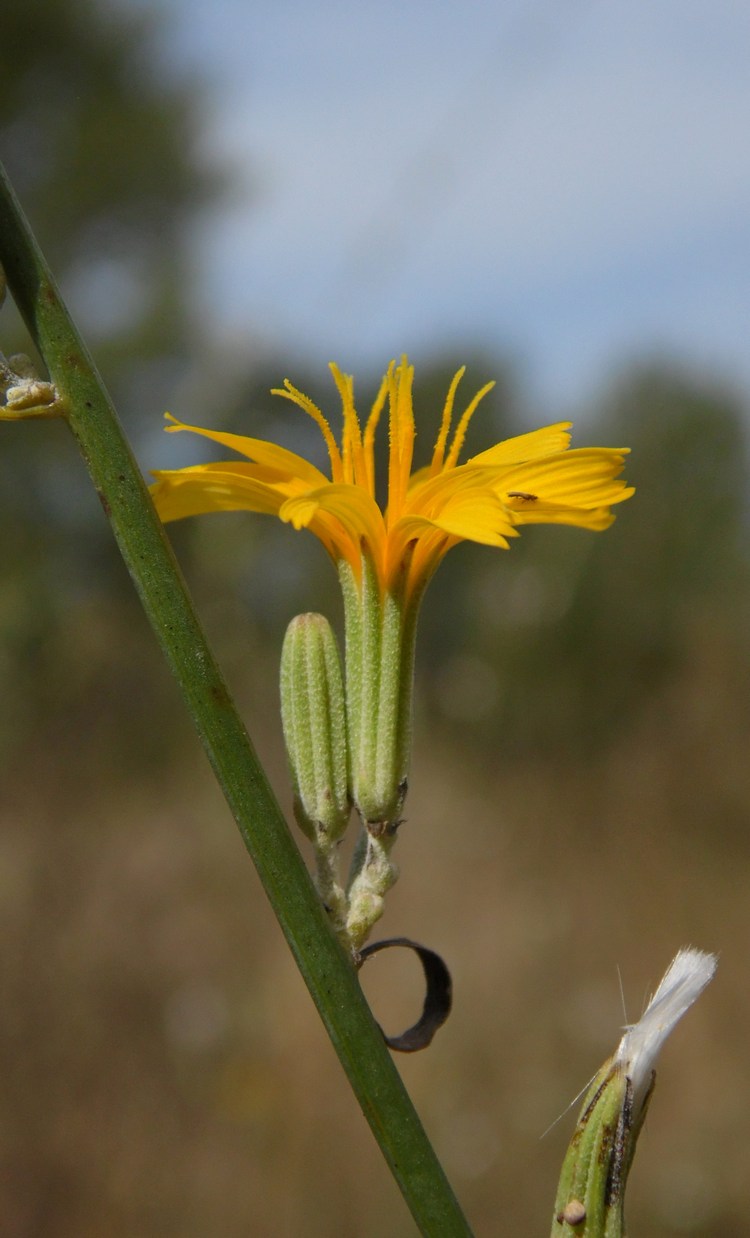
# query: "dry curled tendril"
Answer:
x=438 y=996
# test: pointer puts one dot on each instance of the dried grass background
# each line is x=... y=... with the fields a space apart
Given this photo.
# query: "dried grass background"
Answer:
x=164 y=1072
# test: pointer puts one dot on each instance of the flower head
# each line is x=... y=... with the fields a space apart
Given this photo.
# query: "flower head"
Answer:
x=530 y=479
x=385 y=557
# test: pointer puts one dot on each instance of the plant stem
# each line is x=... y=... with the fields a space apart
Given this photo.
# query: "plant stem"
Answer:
x=325 y=967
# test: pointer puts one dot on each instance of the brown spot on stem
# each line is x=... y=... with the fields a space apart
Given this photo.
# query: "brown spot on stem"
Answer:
x=573 y=1213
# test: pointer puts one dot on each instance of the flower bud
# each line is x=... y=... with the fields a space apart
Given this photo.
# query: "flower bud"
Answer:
x=314 y=719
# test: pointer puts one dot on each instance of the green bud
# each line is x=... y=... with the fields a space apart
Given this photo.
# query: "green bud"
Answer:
x=374 y=874
x=314 y=720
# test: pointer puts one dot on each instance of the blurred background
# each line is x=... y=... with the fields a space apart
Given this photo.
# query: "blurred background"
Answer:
x=557 y=195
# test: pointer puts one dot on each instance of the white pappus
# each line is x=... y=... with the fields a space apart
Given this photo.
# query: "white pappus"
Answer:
x=683 y=982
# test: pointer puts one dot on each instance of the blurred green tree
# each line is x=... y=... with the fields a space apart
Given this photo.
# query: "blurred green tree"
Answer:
x=566 y=638
x=101 y=138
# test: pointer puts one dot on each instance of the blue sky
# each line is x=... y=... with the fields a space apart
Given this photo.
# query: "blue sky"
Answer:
x=563 y=181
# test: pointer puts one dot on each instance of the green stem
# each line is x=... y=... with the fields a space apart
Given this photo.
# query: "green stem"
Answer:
x=325 y=967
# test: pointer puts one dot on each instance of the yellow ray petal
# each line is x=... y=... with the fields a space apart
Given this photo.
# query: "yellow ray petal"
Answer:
x=257 y=449
x=431 y=548
x=358 y=515
x=429 y=493
x=476 y=518
x=596 y=518
x=207 y=488
x=586 y=477
x=526 y=446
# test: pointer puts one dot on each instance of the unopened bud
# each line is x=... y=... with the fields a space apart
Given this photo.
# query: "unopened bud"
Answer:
x=313 y=714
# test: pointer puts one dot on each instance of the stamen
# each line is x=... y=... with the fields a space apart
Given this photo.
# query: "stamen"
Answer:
x=289 y=392
x=371 y=427
x=463 y=425
x=442 y=438
x=401 y=438
x=353 y=458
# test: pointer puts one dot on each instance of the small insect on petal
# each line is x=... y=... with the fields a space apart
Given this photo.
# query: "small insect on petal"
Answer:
x=521 y=494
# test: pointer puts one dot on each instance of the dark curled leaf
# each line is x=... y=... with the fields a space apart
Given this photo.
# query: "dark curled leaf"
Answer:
x=438 y=998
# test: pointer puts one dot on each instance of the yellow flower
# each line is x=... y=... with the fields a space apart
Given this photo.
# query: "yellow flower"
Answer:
x=530 y=479
x=386 y=556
